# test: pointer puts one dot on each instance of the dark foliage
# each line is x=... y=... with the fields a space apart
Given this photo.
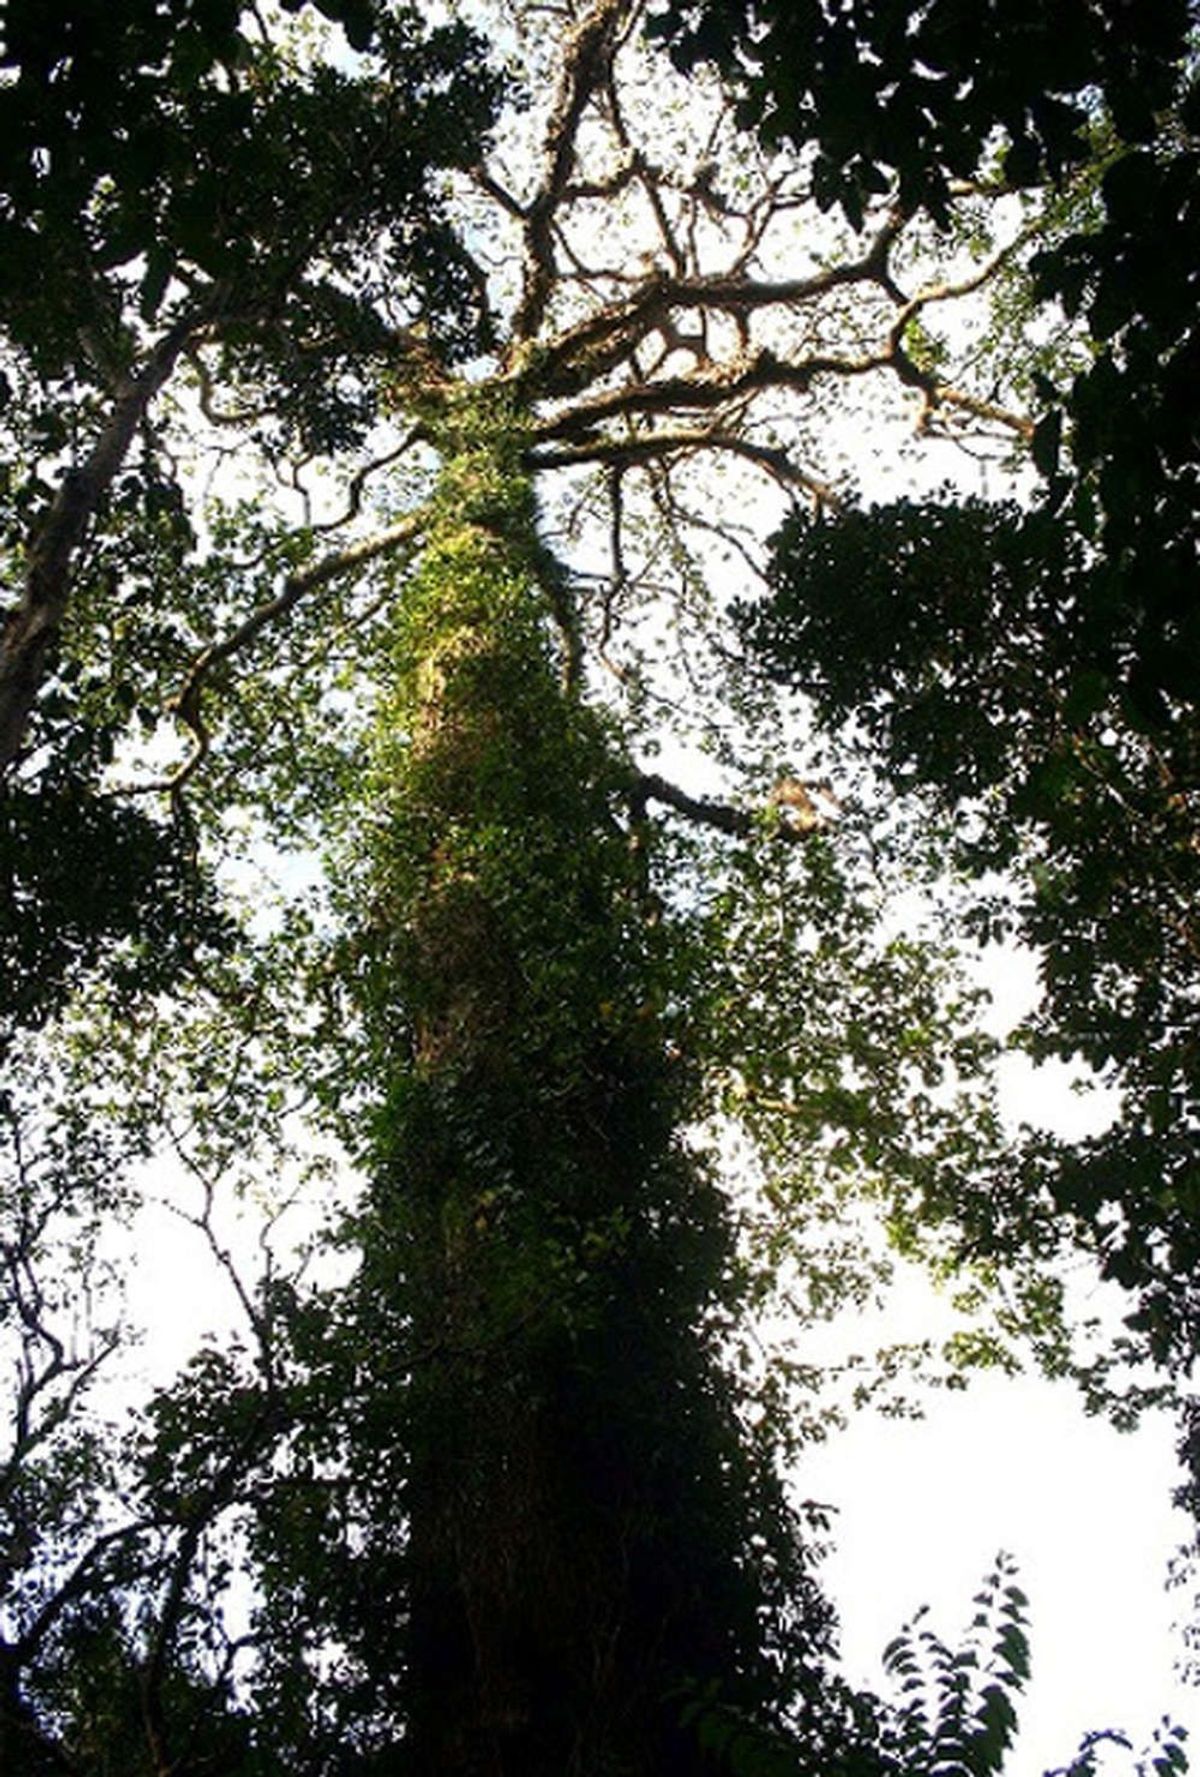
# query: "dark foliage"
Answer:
x=910 y=93
x=165 y=168
x=998 y=668
x=1039 y=670
x=161 y=148
x=85 y=881
x=1121 y=446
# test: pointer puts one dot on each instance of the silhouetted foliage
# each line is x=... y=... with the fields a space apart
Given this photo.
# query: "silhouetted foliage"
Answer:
x=910 y=94
x=1034 y=672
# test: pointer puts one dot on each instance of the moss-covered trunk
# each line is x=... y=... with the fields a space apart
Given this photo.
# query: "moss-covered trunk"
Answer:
x=579 y=1513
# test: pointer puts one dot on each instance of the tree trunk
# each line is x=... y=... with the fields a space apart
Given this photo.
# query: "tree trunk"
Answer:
x=578 y=1511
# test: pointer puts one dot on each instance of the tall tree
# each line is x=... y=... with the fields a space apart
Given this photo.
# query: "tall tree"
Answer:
x=497 y=1498
x=558 y=1521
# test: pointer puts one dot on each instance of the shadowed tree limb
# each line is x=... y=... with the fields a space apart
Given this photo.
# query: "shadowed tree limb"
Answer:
x=797 y=814
x=585 y=70
x=31 y=626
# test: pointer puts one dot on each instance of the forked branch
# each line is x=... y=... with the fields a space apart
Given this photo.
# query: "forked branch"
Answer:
x=586 y=63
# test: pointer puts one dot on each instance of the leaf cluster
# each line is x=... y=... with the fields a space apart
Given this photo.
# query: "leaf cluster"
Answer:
x=1032 y=672
x=172 y=154
x=1120 y=446
x=994 y=667
x=911 y=94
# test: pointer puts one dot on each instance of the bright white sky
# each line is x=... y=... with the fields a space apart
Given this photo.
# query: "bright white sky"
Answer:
x=924 y=1507
x=1016 y=1465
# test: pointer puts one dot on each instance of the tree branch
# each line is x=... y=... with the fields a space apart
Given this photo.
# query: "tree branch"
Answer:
x=603 y=340
x=30 y=627
x=936 y=394
x=712 y=387
x=797 y=815
x=651 y=447
x=187 y=704
x=585 y=66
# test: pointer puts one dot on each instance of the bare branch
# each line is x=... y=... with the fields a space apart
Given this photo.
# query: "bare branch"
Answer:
x=712 y=387
x=601 y=342
x=209 y=407
x=641 y=449
x=491 y=186
x=797 y=815
x=188 y=702
x=585 y=66
x=358 y=484
x=937 y=394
